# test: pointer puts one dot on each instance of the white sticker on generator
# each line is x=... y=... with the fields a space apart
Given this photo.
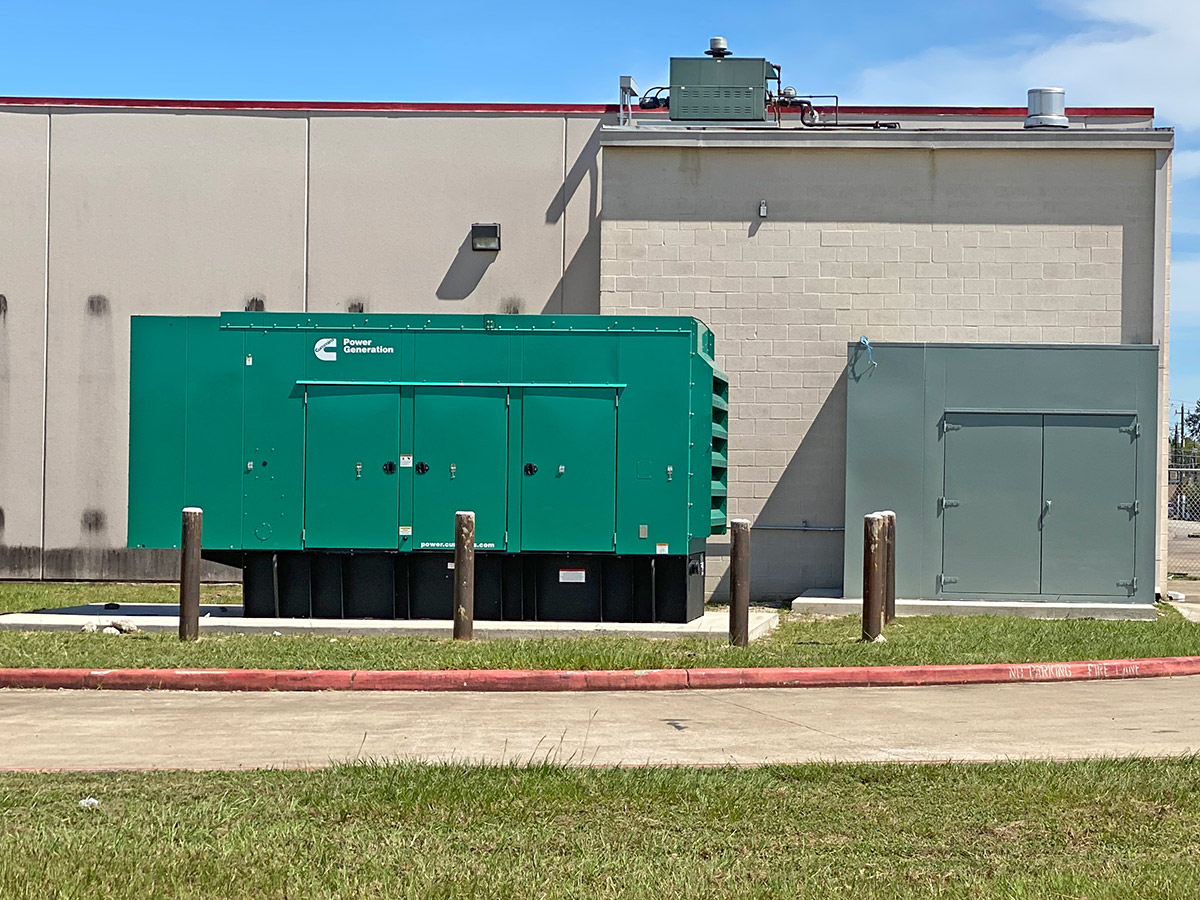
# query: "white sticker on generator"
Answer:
x=406 y=462
x=662 y=549
x=572 y=576
x=405 y=531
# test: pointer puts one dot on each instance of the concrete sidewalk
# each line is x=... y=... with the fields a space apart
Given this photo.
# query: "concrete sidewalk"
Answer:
x=164 y=617
x=111 y=730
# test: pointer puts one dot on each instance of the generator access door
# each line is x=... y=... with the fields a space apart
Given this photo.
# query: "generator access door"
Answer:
x=351 y=480
x=568 y=469
x=992 y=502
x=460 y=462
x=1089 y=505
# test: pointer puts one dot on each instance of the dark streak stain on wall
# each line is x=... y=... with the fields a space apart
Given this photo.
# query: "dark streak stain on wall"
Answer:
x=93 y=520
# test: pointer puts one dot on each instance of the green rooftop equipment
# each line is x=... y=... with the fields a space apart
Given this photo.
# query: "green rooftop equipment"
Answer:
x=721 y=87
x=330 y=453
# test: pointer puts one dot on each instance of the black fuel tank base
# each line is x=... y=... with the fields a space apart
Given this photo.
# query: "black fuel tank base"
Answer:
x=563 y=587
x=259 y=590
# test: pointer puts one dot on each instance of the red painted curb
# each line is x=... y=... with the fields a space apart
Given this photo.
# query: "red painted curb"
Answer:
x=507 y=680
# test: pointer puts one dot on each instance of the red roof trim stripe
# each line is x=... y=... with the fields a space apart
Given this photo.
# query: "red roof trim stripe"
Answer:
x=589 y=109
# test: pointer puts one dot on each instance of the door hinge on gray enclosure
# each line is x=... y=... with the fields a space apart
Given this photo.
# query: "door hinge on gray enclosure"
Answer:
x=1131 y=584
x=1135 y=429
x=944 y=503
x=944 y=580
x=1132 y=508
x=947 y=427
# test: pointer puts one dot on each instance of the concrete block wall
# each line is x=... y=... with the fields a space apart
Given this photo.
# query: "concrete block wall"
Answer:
x=785 y=294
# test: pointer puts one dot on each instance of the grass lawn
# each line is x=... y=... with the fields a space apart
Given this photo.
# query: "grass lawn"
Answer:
x=797 y=642
x=1012 y=830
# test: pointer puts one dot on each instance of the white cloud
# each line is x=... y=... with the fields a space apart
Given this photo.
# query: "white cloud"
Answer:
x=1125 y=53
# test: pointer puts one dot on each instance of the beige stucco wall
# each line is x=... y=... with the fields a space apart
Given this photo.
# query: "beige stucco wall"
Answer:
x=23 y=147
x=905 y=244
x=391 y=201
x=198 y=212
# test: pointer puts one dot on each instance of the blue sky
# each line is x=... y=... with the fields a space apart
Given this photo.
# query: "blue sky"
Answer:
x=972 y=52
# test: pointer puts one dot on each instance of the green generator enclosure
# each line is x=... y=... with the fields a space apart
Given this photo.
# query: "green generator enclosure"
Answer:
x=1017 y=472
x=728 y=89
x=330 y=453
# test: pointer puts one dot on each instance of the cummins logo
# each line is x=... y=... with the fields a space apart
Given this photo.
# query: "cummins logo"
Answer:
x=326 y=349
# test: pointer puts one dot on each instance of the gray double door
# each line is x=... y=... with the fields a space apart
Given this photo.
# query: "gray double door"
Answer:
x=1038 y=504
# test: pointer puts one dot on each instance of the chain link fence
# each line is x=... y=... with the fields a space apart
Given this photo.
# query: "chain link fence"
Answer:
x=1183 y=514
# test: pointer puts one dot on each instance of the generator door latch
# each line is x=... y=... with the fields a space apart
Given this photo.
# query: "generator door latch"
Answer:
x=422 y=468
x=530 y=468
x=453 y=469
x=358 y=470
x=389 y=468
x=670 y=472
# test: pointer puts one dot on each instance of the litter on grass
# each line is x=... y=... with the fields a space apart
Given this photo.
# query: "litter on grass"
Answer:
x=116 y=626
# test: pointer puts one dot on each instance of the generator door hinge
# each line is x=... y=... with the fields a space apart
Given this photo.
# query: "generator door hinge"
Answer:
x=507 y=401
x=944 y=503
x=944 y=579
x=1135 y=429
x=1130 y=585
x=1133 y=508
x=506 y=539
x=302 y=535
x=947 y=427
x=614 y=540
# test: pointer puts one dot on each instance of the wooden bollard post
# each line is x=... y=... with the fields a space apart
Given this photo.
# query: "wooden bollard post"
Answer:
x=889 y=602
x=189 y=574
x=874 y=575
x=464 y=576
x=739 y=583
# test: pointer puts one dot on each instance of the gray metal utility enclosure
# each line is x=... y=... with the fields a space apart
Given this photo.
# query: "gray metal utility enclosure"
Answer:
x=1016 y=472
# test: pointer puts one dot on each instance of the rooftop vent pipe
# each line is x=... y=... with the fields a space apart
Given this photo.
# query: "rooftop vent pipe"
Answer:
x=718 y=48
x=1047 y=108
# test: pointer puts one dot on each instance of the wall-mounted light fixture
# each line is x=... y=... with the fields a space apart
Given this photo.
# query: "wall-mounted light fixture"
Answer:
x=762 y=208
x=485 y=236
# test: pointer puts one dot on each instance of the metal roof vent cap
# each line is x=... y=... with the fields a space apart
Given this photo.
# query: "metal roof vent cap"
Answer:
x=1047 y=108
x=718 y=48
